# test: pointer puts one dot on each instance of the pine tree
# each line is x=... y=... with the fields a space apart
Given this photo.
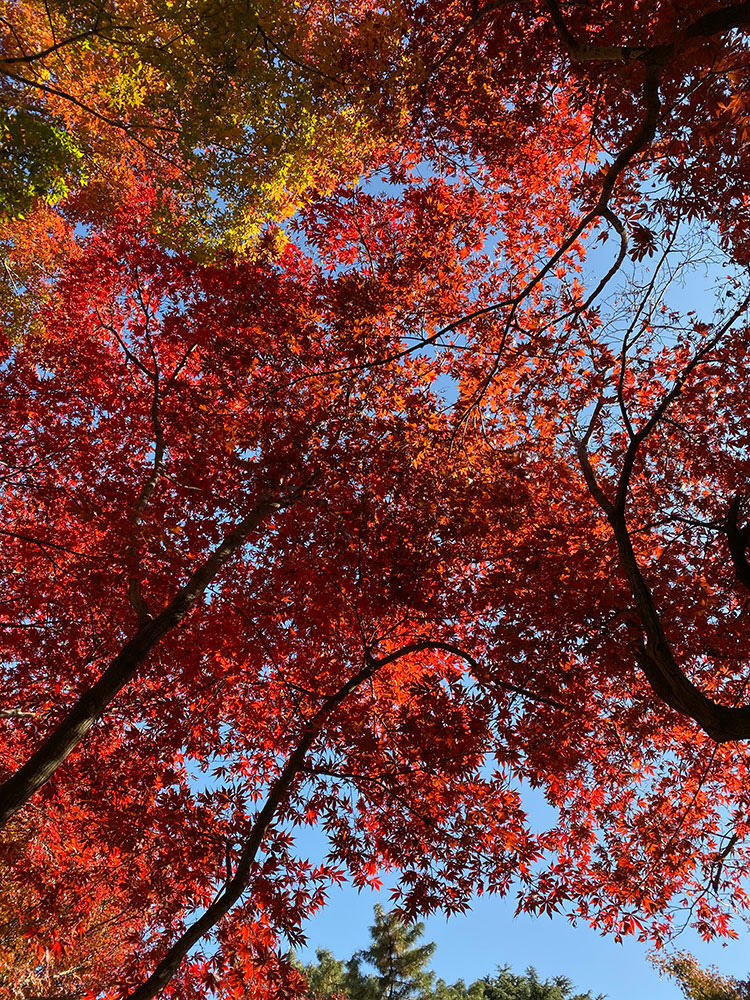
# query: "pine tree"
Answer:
x=325 y=977
x=505 y=985
x=400 y=963
x=458 y=990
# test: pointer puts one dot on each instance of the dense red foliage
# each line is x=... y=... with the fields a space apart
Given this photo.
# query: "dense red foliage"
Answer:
x=442 y=500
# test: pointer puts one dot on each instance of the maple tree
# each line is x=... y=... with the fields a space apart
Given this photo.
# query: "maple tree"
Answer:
x=235 y=113
x=239 y=109
x=355 y=524
x=304 y=626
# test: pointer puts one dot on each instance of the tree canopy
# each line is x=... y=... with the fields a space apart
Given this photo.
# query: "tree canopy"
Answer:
x=375 y=447
x=698 y=983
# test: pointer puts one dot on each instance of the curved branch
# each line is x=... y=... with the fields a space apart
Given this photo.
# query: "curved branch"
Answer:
x=113 y=122
x=640 y=436
x=479 y=672
x=32 y=57
x=722 y=723
x=240 y=881
x=655 y=657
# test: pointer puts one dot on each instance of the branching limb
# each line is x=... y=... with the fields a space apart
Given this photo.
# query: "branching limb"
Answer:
x=478 y=671
x=654 y=655
x=717 y=22
x=56 y=47
x=295 y=766
x=667 y=400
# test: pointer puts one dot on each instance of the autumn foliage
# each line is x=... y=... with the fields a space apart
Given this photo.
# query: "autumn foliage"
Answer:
x=379 y=454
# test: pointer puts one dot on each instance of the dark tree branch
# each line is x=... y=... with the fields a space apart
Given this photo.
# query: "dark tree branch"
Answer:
x=716 y=22
x=481 y=673
x=34 y=56
x=640 y=436
x=105 y=119
x=92 y=704
x=738 y=540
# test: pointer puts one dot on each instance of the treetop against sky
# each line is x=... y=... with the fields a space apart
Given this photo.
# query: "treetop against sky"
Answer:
x=246 y=530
